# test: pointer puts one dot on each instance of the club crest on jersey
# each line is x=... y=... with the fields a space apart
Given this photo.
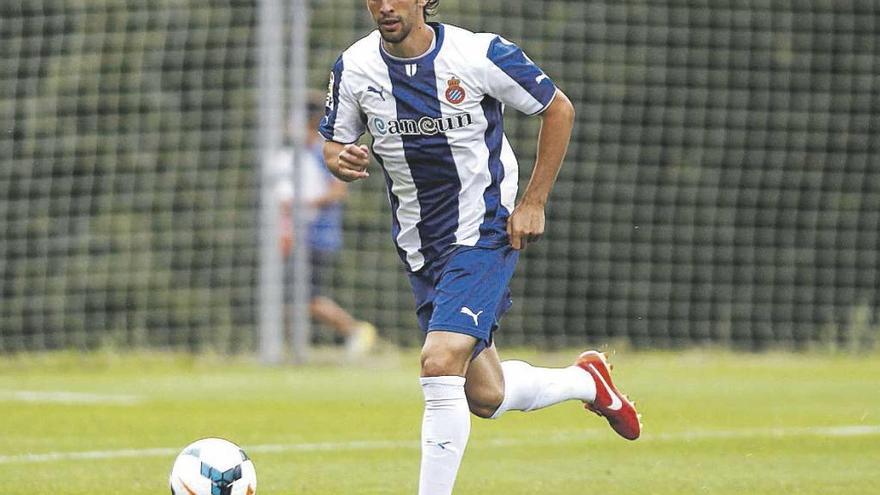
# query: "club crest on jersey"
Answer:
x=455 y=93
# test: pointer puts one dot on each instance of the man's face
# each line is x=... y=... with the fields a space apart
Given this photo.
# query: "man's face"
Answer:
x=396 y=18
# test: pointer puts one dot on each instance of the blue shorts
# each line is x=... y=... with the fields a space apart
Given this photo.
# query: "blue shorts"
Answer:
x=465 y=291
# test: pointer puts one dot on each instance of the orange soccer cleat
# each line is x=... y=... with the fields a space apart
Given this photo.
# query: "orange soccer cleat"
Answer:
x=609 y=403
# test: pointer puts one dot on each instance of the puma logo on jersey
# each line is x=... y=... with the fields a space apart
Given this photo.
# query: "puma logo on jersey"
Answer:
x=379 y=92
x=468 y=311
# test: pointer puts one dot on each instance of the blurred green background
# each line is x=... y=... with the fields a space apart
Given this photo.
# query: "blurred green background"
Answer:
x=722 y=187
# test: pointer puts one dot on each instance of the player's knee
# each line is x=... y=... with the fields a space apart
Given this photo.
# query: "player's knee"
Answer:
x=482 y=410
x=442 y=362
x=486 y=403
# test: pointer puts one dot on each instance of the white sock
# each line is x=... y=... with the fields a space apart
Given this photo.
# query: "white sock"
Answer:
x=527 y=388
x=446 y=426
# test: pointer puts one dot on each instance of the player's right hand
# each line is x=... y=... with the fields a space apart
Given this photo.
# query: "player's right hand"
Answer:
x=352 y=163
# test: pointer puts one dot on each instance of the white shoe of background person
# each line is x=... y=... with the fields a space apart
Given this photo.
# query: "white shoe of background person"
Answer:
x=361 y=340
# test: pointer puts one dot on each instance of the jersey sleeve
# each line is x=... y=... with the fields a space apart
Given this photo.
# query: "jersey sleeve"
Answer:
x=342 y=116
x=515 y=80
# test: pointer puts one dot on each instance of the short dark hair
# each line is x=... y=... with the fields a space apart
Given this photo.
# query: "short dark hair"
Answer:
x=431 y=7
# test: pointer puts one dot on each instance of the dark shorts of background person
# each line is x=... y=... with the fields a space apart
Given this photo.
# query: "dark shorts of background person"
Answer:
x=322 y=268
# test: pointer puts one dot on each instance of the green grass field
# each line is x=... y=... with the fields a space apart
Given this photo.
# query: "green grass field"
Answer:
x=715 y=422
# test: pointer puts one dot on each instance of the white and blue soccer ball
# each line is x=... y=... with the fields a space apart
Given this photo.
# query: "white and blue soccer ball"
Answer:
x=213 y=466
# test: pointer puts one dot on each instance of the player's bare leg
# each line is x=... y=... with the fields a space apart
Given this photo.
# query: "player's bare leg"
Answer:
x=494 y=387
x=485 y=383
x=446 y=424
x=329 y=313
x=360 y=336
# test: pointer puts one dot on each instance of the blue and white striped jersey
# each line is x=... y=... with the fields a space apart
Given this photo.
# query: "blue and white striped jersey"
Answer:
x=436 y=122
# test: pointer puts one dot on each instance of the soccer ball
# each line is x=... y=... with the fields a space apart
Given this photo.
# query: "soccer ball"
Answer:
x=213 y=466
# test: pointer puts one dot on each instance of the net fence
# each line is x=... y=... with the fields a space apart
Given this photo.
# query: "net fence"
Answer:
x=722 y=185
x=127 y=180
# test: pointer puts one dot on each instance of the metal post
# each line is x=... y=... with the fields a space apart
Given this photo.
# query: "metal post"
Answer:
x=271 y=101
x=301 y=335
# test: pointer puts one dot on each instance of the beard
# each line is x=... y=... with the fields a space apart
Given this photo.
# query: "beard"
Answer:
x=396 y=36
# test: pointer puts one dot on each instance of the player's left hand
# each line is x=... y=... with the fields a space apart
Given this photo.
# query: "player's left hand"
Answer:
x=525 y=225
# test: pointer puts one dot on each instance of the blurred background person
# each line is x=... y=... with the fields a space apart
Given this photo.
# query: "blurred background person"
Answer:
x=324 y=197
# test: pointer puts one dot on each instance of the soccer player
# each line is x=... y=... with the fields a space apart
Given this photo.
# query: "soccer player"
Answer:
x=432 y=97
